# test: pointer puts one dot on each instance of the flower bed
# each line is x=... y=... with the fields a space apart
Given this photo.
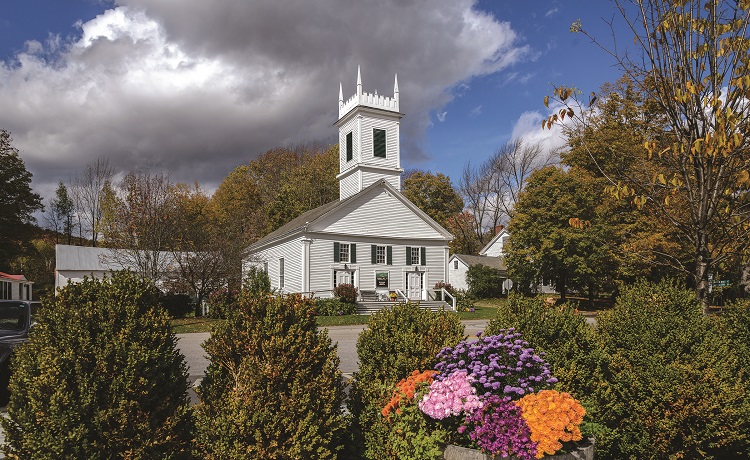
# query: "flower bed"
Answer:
x=493 y=394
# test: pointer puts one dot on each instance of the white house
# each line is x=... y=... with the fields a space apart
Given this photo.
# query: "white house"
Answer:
x=372 y=237
x=15 y=287
x=491 y=256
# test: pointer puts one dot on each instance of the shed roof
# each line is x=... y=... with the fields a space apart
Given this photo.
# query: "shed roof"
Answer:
x=494 y=262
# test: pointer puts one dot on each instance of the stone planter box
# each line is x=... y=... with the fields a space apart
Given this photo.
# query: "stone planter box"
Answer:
x=463 y=453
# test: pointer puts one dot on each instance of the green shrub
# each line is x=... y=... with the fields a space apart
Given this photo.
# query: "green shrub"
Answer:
x=396 y=342
x=273 y=388
x=334 y=307
x=673 y=386
x=177 y=305
x=346 y=293
x=569 y=343
x=222 y=303
x=257 y=281
x=484 y=281
x=100 y=378
x=464 y=302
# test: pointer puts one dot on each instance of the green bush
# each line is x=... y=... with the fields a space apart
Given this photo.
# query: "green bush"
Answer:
x=257 y=281
x=100 y=378
x=273 y=388
x=222 y=303
x=673 y=385
x=334 y=307
x=346 y=293
x=396 y=342
x=177 y=305
x=484 y=281
x=464 y=302
x=569 y=343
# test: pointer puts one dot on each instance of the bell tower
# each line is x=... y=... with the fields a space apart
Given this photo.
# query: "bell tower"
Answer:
x=369 y=147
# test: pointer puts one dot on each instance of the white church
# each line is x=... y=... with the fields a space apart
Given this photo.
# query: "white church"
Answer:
x=372 y=237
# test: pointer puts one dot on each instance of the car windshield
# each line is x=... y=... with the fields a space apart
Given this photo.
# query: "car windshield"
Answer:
x=12 y=316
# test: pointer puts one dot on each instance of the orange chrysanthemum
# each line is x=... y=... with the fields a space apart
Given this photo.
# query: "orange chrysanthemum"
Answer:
x=405 y=390
x=553 y=418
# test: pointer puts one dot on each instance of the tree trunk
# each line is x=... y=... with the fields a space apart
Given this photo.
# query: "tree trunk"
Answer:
x=702 y=268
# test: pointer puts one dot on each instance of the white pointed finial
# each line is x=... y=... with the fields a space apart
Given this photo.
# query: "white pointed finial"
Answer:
x=341 y=94
x=395 y=87
x=359 y=82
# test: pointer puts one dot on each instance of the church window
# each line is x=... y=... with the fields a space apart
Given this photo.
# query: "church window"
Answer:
x=281 y=272
x=455 y=265
x=349 y=147
x=378 y=142
x=382 y=255
x=345 y=253
x=416 y=256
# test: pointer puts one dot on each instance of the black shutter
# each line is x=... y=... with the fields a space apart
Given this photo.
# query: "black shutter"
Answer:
x=378 y=142
x=349 y=145
x=408 y=255
x=423 y=254
x=389 y=252
x=336 y=252
x=353 y=253
x=373 y=254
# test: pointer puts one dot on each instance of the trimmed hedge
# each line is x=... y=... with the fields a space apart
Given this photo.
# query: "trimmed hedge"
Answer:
x=334 y=307
x=100 y=378
x=273 y=388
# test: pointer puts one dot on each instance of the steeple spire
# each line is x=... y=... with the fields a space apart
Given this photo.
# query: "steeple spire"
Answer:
x=359 y=82
x=341 y=95
x=395 y=88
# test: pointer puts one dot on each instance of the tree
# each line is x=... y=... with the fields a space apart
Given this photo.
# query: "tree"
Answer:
x=138 y=226
x=198 y=250
x=17 y=201
x=434 y=194
x=693 y=66
x=491 y=190
x=88 y=191
x=465 y=240
x=561 y=230
x=61 y=213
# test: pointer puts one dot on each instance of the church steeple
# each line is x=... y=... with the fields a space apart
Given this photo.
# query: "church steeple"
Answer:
x=368 y=139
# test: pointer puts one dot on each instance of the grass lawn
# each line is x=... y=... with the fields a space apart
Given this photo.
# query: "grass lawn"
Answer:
x=484 y=309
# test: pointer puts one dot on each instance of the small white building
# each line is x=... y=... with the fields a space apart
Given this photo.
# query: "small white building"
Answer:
x=372 y=237
x=491 y=256
x=15 y=287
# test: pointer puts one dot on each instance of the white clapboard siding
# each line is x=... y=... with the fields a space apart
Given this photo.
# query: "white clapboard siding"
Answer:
x=457 y=276
x=382 y=215
x=350 y=184
x=370 y=177
x=291 y=251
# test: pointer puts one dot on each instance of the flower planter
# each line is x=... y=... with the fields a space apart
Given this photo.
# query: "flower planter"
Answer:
x=585 y=452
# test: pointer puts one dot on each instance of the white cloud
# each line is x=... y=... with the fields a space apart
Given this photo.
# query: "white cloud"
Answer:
x=551 y=12
x=441 y=116
x=197 y=88
x=528 y=128
x=476 y=111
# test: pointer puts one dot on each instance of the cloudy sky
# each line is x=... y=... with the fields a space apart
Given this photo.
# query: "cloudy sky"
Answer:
x=196 y=88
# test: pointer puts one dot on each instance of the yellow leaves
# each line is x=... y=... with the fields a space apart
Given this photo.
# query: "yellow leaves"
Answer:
x=546 y=101
x=743 y=179
x=640 y=201
x=575 y=222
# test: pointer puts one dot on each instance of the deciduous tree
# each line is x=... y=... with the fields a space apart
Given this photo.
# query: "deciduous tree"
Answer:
x=692 y=63
x=434 y=194
x=87 y=192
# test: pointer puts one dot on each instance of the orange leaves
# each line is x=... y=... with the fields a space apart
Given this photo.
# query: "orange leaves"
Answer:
x=553 y=418
x=575 y=222
x=405 y=390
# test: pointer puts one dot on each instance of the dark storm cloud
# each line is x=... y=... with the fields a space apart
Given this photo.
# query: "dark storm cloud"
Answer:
x=196 y=88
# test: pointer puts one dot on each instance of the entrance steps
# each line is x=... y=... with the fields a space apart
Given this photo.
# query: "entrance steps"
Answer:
x=369 y=307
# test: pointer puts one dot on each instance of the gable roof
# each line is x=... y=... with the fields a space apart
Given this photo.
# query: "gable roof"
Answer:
x=469 y=260
x=494 y=240
x=301 y=223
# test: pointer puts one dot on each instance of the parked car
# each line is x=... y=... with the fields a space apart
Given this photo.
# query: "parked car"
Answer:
x=15 y=324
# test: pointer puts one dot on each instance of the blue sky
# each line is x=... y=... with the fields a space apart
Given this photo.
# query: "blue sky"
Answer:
x=196 y=88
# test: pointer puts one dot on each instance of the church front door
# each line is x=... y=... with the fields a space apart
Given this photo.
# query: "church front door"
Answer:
x=414 y=285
